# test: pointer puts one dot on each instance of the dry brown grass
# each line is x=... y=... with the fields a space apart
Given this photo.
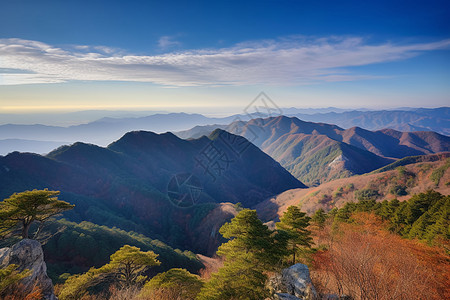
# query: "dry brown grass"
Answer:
x=366 y=262
x=212 y=265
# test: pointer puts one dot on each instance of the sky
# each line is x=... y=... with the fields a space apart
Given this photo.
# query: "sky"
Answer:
x=217 y=56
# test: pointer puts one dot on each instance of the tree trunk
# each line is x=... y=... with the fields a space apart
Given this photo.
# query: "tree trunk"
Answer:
x=25 y=229
x=293 y=253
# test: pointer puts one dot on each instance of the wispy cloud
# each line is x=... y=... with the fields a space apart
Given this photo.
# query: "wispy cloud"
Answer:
x=166 y=42
x=293 y=61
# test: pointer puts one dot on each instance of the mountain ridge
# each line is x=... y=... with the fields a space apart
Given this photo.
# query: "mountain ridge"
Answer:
x=299 y=144
x=126 y=184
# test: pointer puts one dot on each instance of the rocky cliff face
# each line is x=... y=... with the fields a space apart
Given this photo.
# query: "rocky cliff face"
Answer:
x=28 y=254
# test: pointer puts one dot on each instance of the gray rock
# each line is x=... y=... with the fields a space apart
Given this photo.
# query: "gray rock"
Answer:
x=28 y=254
x=298 y=283
x=294 y=281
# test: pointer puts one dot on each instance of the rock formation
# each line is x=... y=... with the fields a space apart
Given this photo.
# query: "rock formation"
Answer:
x=28 y=254
x=293 y=283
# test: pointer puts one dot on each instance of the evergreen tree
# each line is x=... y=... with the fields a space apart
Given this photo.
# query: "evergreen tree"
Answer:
x=174 y=284
x=23 y=209
x=398 y=220
x=319 y=217
x=251 y=251
x=425 y=216
x=295 y=222
x=419 y=204
x=128 y=264
x=346 y=212
x=126 y=267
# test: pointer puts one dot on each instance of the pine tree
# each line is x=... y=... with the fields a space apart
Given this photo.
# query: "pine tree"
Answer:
x=126 y=267
x=25 y=208
x=129 y=263
x=295 y=222
x=252 y=250
x=174 y=284
x=319 y=217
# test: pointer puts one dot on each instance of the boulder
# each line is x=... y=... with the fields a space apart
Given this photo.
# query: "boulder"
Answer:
x=293 y=281
x=28 y=254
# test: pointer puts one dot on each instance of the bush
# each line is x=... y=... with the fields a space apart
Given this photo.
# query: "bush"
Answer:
x=367 y=194
x=398 y=190
x=173 y=284
x=437 y=174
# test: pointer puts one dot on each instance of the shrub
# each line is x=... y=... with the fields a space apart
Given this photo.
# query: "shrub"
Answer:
x=398 y=190
x=367 y=194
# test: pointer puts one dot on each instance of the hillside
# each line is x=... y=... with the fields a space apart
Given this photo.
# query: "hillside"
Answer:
x=400 y=182
x=316 y=159
x=126 y=184
x=83 y=245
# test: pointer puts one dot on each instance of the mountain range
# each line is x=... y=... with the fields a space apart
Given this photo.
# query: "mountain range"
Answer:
x=407 y=119
x=318 y=152
x=155 y=184
x=39 y=138
x=166 y=187
x=105 y=130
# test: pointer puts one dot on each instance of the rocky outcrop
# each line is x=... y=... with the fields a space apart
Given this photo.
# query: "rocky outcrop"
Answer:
x=293 y=283
x=28 y=254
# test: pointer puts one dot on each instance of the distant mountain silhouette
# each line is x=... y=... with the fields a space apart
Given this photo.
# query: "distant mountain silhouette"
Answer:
x=107 y=129
x=406 y=119
x=41 y=147
x=104 y=131
x=319 y=152
x=126 y=184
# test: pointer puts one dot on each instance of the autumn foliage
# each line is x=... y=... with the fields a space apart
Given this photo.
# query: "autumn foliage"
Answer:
x=16 y=292
x=363 y=260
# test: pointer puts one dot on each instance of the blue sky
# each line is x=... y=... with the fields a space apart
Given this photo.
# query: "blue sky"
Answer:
x=217 y=55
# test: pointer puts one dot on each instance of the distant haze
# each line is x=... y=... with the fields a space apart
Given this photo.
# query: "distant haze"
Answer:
x=68 y=118
x=42 y=138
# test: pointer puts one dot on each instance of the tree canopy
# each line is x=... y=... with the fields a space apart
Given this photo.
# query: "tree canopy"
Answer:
x=319 y=217
x=294 y=222
x=252 y=250
x=424 y=216
x=129 y=263
x=126 y=267
x=176 y=283
x=25 y=208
